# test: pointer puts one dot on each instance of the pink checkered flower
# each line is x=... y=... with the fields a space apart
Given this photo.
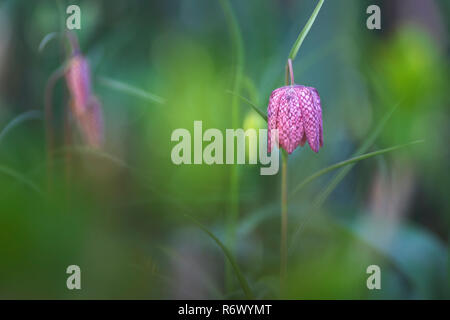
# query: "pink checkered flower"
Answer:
x=296 y=112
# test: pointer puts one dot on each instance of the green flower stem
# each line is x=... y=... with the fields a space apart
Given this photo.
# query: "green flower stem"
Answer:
x=284 y=219
x=284 y=197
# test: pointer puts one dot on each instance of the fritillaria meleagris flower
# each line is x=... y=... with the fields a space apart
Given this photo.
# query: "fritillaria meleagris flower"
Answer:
x=296 y=112
x=84 y=105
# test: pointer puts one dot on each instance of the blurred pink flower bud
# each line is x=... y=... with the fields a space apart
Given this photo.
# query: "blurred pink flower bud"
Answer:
x=85 y=106
x=78 y=78
x=296 y=112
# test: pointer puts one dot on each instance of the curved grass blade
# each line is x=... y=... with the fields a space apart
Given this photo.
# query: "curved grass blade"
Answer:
x=29 y=115
x=347 y=162
x=131 y=90
x=251 y=104
x=318 y=202
x=48 y=37
x=363 y=148
x=242 y=281
x=21 y=178
x=304 y=32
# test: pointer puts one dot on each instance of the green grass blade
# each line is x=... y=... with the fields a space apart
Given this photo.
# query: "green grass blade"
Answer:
x=318 y=202
x=242 y=281
x=21 y=178
x=304 y=32
x=29 y=115
x=251 y=104
x=368 y=142
x=347 y=162
x=48 y=37
x=249 y=86
x=131 y=90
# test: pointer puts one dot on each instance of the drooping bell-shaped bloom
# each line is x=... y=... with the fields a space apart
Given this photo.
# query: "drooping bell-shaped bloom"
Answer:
x=296 y=113
x=86 y=108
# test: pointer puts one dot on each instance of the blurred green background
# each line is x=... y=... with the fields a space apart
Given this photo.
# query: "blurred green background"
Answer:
x=120 y=213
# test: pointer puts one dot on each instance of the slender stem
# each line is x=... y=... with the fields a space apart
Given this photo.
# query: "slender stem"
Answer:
x=289 y=71
x=284 y=198
x=284 y=219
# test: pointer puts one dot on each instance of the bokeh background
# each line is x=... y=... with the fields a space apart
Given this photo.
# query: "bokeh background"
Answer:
x=120 y=213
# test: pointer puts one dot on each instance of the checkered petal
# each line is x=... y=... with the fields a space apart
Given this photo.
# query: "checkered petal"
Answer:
x=296 y=112
x=272 y=114
x=317 y=105
x=310 y=117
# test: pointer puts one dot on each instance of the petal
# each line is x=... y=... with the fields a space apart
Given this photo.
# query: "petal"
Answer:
x=316 y=99
x=78 y=80
x=272 y=114
x=310 y=117
x=302 y=142
x=289 y=122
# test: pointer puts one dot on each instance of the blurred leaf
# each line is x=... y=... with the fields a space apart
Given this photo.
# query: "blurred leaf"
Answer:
x=304 y=32
x=237 y=271
x=131 y=90
x=414 y=251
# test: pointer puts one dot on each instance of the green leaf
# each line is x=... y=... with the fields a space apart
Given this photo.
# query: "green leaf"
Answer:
x=131 y=90
x=347 y=162
x=304 y=32
x=242 y=281
x=251 y=104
